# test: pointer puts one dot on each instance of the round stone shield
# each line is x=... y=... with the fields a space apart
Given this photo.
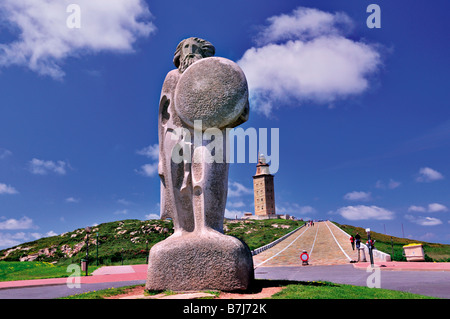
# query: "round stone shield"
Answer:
x=213 y=90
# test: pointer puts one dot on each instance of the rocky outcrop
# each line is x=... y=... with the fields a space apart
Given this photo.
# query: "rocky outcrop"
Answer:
x=47 y=252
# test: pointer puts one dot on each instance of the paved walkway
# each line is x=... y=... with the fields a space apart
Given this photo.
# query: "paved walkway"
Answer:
x=101 y=275
x=324 y=242
x=327 y=244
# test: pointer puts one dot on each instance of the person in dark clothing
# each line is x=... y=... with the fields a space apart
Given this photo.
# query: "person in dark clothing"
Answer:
x=357 y=240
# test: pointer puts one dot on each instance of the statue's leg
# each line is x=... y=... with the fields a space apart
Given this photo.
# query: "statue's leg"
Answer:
x=205 y=258
x=210 y=187
x=177 y=202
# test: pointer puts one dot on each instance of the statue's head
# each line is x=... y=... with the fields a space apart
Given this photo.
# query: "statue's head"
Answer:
x=190 y=50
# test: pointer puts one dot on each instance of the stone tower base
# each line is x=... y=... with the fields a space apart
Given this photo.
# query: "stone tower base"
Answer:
x=196 y=261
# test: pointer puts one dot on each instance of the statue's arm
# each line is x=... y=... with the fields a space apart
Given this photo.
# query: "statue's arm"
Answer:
x=165 y=113
x=165 y=121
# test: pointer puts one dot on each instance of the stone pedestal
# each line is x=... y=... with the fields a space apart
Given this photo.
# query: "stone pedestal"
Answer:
x=200 y=261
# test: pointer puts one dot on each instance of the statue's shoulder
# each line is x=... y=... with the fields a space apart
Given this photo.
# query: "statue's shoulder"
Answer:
x=171 y=80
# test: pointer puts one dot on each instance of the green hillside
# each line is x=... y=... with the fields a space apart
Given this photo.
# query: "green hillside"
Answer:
x=127 y=239
x=130 y=240
x=394 y=245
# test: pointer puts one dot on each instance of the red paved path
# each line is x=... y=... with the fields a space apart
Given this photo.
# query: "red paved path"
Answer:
x=104 y=274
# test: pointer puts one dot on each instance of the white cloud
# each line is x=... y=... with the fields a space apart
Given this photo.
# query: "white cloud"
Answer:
x=44 y=41
x=13 y=239
x=428 y=236
x=236 y=189
x=304 y=23
x=424 y=221
x=379 y=184
x=152 y=216
x=151 y=151
x=391 y=185
x=7 y=189
x=414 y=208
x=34 y=236
x=42 y=167
x=11 y=224
x=148 y=170
x=305 y=210
x=236 y=204
x=436 y=207
x=358 y=196
x=232 y=214
x=295 y=209
x=427 y=174
x=4 y=153
x=9 y=240
x=314 y=63
x=432 y=208
x=362 y=212
x=124 y=202
x=51 y=234
x=121 y=212
x=72 y=200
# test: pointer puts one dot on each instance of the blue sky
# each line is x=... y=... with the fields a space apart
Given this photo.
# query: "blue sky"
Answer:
x=363 y=114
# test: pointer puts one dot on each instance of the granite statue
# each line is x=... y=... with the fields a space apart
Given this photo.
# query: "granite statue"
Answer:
x=203 y=94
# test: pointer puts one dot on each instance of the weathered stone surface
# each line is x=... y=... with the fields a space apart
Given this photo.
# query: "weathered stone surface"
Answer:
x=194 y=191
x=200 y=261
x=213 y=90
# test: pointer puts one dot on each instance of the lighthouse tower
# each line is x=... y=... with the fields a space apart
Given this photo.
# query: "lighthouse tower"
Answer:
x=264 y=190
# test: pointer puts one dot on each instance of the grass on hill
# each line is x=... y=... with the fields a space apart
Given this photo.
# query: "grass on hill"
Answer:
x=257 y=233
x=102 y=294
x=329 y=290
x=119 y=242
x=13 y=270
x=394 y=245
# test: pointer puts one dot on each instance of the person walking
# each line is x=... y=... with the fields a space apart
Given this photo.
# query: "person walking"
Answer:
x=352 y=241
x=357 y=240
